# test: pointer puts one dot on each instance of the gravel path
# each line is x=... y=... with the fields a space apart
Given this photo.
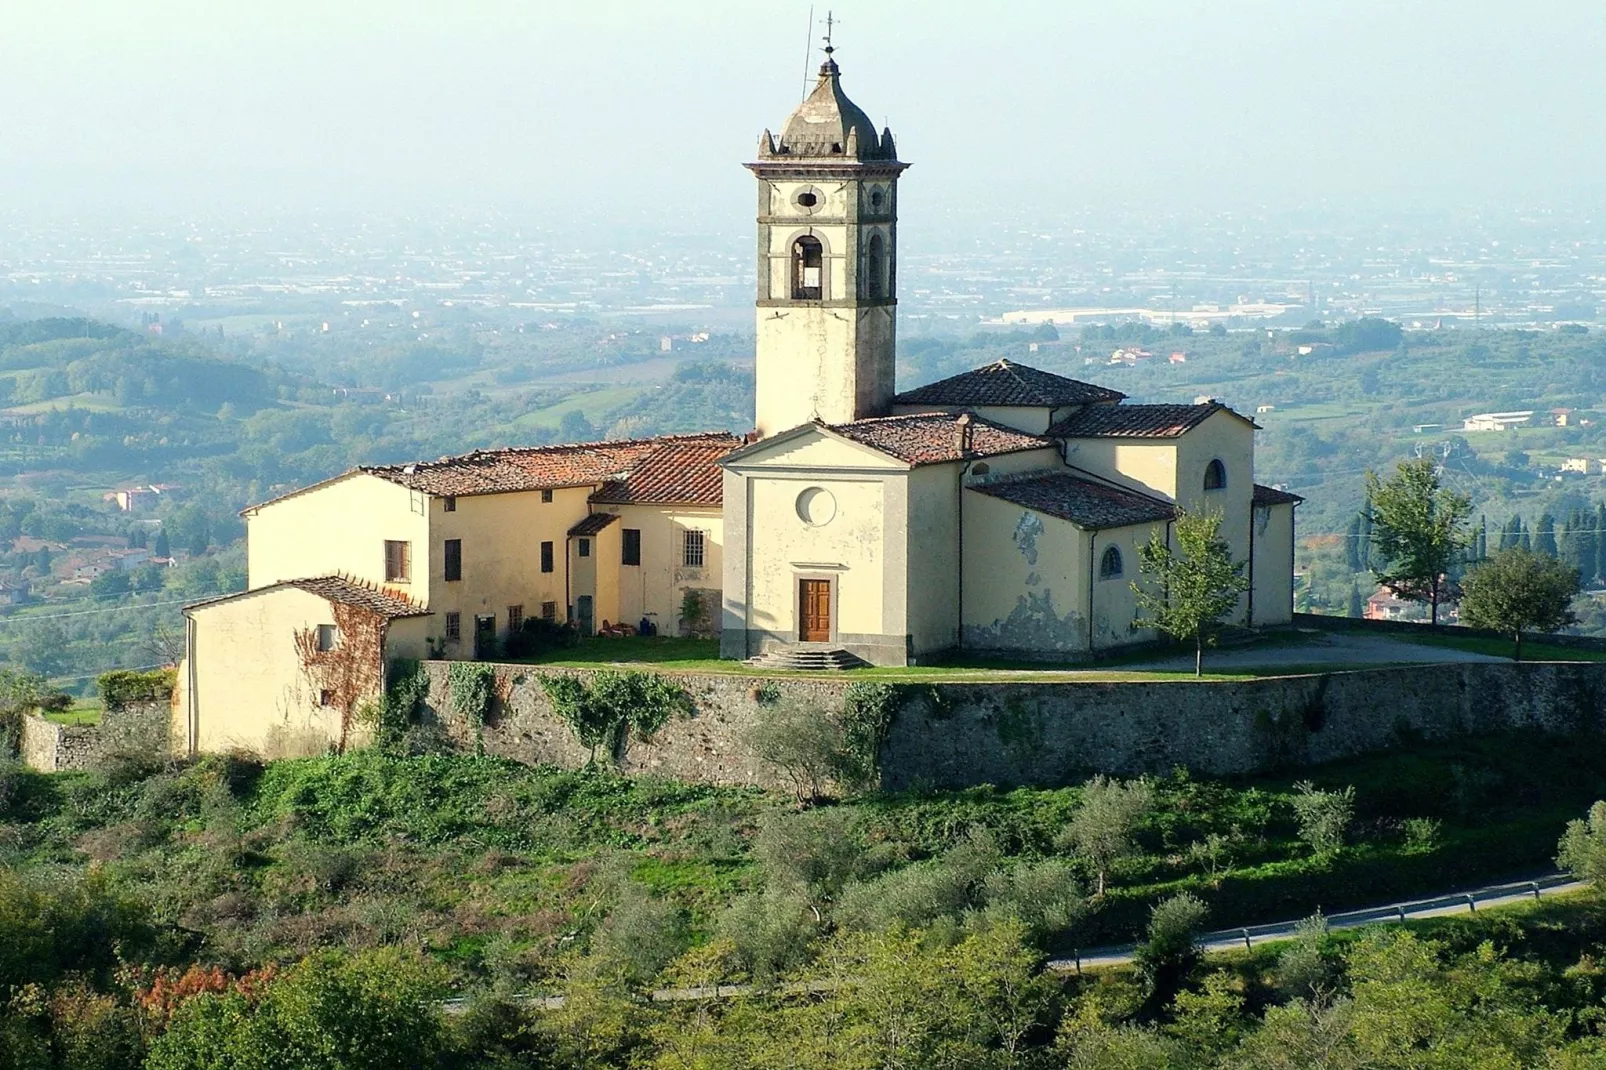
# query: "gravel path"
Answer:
x=1316 y=648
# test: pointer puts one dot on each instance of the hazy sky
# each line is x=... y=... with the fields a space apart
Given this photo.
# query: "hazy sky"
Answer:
x=556 y=110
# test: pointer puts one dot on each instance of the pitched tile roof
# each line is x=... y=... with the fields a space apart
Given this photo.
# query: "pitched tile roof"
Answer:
x=1086 y=503
x=347 y=590
x=1007 y=383
x=1136 y=421
x=682 y=471
x=678 y=469
x=594 y=523
x=1272 y=496
x=932 y=438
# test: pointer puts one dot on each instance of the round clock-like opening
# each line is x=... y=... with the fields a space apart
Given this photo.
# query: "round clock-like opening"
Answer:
x=807 y=199
x=816 y=507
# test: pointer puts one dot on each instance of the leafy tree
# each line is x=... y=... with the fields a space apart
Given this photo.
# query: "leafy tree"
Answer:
x=1196 y=585
x=376 y=1011
x=1168 y=954
x=161 y=548
x=113 y=583
x=1519 y=590
x=1103 y=829
x=1417 y=531
x=804 y=744
x=1582 y=850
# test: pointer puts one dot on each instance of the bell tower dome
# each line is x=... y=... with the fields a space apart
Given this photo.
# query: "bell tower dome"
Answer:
x=827 y=262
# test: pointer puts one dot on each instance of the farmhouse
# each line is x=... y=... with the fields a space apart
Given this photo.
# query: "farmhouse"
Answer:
x=1000 y=510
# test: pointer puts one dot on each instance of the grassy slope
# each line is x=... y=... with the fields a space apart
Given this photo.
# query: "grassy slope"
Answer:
x=488 y=863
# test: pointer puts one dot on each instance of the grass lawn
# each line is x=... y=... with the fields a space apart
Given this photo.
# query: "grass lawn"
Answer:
x=674 y=654
x=594 y=404
x=82 y=712
x=1533 y=649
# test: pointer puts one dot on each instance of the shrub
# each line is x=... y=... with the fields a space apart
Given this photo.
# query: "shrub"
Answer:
x=1306 y=969
x=770 y=932
x=816 y=852
x=123 y=687
x=1324 y=817
x=640 y=936
x=539 y=636
x=602 y=710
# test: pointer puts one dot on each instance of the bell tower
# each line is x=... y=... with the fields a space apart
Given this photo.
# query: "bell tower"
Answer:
x=827 y=262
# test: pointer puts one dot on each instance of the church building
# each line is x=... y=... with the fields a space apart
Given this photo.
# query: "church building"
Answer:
x=999 y=511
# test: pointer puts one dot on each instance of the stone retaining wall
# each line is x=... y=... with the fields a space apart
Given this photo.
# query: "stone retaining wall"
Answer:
x=955 y=735
x=52 y=748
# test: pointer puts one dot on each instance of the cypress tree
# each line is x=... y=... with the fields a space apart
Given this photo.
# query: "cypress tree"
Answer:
x=1524 y=536
x=1352 y=544
x=1357 y=604
x=1600 y=540
x=1544 y=539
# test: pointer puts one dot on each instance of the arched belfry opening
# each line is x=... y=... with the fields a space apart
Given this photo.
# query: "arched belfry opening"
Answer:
x=808 y=269
x=875 y=269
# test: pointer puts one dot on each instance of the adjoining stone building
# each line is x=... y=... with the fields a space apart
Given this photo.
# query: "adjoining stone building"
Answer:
x=999 y=510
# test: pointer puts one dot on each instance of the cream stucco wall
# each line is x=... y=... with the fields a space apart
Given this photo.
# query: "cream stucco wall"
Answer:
x=933 y=556
x=830 y=363
x=501 y=536
x=1230 y=439
x=340 y=526
x=1274 y=565
x=656 y=588
x=1025 y=578
x=1029 y=418
x=248 y=687
x=1147 y=465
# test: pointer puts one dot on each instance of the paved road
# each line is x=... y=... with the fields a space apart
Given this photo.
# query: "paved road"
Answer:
x=1316 y=648
x=1460 y=902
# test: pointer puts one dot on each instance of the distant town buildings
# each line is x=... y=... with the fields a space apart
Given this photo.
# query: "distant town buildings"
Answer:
x=1496 y=421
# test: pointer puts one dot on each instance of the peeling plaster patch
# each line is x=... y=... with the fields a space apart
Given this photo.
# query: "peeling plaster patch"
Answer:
x=1033 y=579
x=1033 y=625
x=1027 y=530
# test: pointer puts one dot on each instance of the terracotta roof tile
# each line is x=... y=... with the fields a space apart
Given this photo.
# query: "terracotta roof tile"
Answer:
x=1007 y=383
x=681 y=471
x=1086 y=503
x=1135 y=421
x=636 y=470
x=1272 y=496
x=932 y=438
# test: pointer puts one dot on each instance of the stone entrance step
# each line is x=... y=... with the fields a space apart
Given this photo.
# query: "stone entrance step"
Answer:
x=807 y=659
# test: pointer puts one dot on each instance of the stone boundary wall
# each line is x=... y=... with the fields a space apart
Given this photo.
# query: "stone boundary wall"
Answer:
x=1046 y=734
x=54 y=748
x=1410 y=627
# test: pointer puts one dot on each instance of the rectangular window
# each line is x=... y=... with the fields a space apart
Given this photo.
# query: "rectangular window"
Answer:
x=326 y=637
x=454 y=559
x=694 y=549
x=546 y=557
x=631 y=547
x=326 y=698
x=450 y=503
x=398 y=561
x=454 y=627
x=585 y=547
x=549 y=611
x=546 y=497
x=515 y=618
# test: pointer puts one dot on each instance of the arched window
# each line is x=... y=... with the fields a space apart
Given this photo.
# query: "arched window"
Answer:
x=808 y=268
x=981 y=468
x=875 y=269
x=1110 y=564
x=1215 y=475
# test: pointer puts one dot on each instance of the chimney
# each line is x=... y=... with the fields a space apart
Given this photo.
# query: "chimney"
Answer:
x=964 y=434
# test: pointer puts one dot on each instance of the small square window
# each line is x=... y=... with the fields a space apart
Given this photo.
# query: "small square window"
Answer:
x=630 y=547
x=585 y=547
x=546 y=497
x=454 y=627
x=515 y=618
x=693 y=557
x=549 y=611
x=546 y=557
x=453 y=564
x=326 y=698
x=326 y=637
x=398 y=561
x=449 y=503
